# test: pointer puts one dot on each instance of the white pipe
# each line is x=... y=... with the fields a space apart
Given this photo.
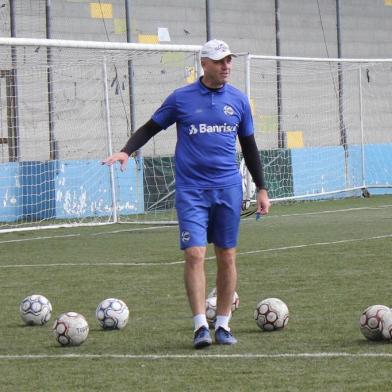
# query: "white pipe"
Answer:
x=361 y=127
x=96 y=45
x=322 y=59
x=109 y=136
x=248 y=179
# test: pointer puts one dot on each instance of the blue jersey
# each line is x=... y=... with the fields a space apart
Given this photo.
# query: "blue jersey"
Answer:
x=208 y=123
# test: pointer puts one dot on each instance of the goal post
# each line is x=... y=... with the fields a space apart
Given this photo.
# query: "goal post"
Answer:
x=51 y=152
x=336 y=140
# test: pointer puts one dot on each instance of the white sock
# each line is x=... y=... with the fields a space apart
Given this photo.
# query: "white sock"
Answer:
x=200 y=320
x=222 y=321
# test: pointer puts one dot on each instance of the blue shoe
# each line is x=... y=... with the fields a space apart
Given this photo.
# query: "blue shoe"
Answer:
x=202 y=338
x=224 y=337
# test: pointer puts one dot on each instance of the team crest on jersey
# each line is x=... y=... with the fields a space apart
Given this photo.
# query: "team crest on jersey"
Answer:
x=228 y=110
x=185 y=236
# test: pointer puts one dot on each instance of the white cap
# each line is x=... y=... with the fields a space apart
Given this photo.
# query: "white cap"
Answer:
x=215 y=50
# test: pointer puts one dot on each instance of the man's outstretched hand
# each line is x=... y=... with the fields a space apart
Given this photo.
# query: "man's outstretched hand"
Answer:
x=121 y=157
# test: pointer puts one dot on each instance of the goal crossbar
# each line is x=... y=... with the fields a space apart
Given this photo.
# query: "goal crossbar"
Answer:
x=59 y=43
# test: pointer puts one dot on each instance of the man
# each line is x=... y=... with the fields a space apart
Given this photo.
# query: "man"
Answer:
x=209 y=115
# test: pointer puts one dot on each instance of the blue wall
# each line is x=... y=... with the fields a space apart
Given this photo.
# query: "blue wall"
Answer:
x=38 y=190
x=80 y=189
x=32 y=190
x=83 y=189
x=328 y=174
x=313 y=175
x=376 y=156
x=10 y=192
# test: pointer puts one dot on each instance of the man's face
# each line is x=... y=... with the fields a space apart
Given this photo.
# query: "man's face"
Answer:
x=216 y=72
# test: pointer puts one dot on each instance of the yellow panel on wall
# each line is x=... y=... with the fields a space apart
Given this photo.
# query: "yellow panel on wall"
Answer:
x=388 y=2
x=252 y=106
x=295 y=139
x=190 y=74
x=120 y=26
x=101 y=10
x=148 y=39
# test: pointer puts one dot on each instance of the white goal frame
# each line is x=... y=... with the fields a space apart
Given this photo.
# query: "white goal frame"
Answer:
x=358 y=66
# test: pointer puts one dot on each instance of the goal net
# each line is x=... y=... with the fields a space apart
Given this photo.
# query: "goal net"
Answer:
x=322 y=127
x=63 y=109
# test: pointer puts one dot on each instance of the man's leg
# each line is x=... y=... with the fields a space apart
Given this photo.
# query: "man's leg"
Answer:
x=195 y=280
x=226 y=281
x=195 y=284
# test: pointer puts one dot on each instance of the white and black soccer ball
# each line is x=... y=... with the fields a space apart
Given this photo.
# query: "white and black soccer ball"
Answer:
x=70 y=329
x=370 y=321
x=236 y=299
x=271 y=314
x=211 y=310
x=386 y=325
x=35 y=310
x=112 y=313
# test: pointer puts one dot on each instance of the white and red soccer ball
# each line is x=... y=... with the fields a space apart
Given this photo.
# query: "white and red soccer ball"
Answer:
x=70 y=329
x=211 y=303
x=386 y=325
x=375 y=322
x=236 y=299
x=211 y=310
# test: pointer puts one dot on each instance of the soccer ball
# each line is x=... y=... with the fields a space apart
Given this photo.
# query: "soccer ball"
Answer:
x=211 y=310
x=70 y=329
x=112 y=313
x=236 y=299
x=271 y=314
x=370 y=321
x=35 y=310
x=386 y=325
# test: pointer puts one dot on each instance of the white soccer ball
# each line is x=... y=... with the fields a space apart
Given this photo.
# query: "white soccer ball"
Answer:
x=236 y=299
x=370 y=321
x=70 y=329
x=112 y=313
x=236 y=302
x=271 y=314
x=211 y=310
x=386 y=325
x=35 y=310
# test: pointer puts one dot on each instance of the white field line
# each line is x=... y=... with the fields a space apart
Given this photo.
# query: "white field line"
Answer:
x=321 y=355
x=337 y=211
x=153 y=264
x=90 y=234
x=40 y=238
x=330 y=211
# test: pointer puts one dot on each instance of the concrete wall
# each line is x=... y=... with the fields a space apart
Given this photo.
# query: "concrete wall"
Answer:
x=308 y=28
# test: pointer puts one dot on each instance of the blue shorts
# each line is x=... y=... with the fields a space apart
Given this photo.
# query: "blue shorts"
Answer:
x=209 y=215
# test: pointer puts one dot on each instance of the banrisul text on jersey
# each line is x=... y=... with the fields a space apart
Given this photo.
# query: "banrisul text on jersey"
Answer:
x=208 y=122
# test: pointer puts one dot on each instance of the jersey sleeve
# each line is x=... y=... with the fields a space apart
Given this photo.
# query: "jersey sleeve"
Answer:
x=246 y=125
x=166 y=115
